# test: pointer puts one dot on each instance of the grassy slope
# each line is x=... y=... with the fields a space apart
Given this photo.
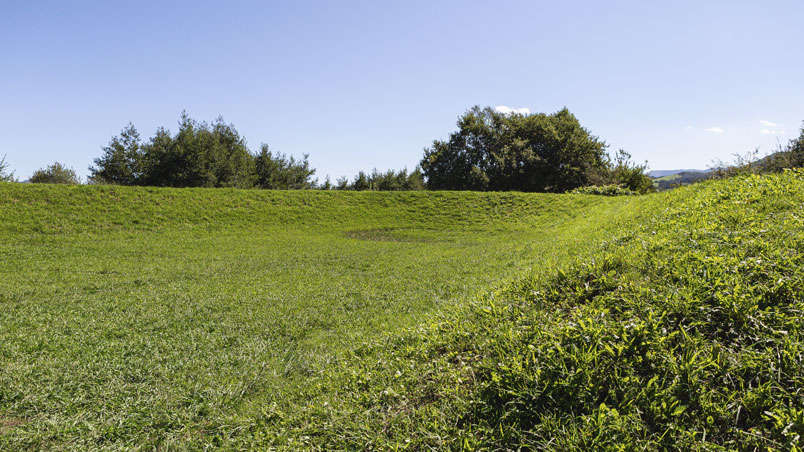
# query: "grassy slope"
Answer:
x=139 y=318
x=685 y=332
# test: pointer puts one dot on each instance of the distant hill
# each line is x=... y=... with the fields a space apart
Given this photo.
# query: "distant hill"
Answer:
x=662 y=173
x=681 y=178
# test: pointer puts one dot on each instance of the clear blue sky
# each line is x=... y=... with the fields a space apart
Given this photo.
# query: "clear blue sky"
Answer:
x=367 y=84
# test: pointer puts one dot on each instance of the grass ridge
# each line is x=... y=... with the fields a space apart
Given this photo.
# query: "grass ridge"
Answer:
x=682 y=332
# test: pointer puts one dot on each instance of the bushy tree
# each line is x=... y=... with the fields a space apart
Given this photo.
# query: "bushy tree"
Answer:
x=122 y=160
x=5 y=176
x=278 y=171
x=628 y=174
x=55 y=174
x=361 y=182
x=198 y=155
x=498 y=151
x=342 y=183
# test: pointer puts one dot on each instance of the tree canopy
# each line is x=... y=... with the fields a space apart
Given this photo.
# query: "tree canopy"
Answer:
x=537 y=153
x=55 y=174
x=280 y=171
x=200 y=154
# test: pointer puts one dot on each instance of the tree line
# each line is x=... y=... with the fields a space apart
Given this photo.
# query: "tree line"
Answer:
x=489 y=151
x=199 y=154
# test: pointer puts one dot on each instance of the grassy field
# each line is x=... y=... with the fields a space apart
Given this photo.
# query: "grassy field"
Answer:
x=684 y=331
x=141 y=318
x=192 y=319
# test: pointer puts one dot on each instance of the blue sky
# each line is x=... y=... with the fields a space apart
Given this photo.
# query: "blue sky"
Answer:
x=367 y=84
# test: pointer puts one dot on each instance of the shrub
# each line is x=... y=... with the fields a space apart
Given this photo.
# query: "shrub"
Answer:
x=55 y=174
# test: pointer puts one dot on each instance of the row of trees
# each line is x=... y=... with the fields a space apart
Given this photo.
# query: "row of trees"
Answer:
x=376 y=180
x=538 y=153
x=490 y=151
x=198 y=155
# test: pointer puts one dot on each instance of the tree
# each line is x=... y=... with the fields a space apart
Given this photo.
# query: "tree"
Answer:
x=4 y=176
x=630 y=175
x=342 y=183
x=361 y=182
x=199 y=155
x=55 y=174
x=280 y=172
x=497 y=151
x=122 y=160
x=327 y=185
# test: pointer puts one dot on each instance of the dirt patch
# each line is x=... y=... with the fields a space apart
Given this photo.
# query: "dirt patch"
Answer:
x=8 y=423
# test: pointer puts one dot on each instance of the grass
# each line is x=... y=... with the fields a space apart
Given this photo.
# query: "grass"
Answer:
x=144 y=318
x=682 y=332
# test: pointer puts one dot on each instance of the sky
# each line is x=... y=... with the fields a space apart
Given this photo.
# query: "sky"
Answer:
x=369 y=84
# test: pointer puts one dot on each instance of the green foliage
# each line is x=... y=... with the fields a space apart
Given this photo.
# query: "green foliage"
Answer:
x=279 y=171
x=4 y=175
x=388 y=181
x=492 y=151
x=55 y=174
x=630 y=175
x=198 y=155
x=122 y=162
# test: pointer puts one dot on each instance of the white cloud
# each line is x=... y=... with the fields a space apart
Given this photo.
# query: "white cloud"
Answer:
x=509 y=111
x=768 y=123
x=715 y=130
x=688 y=128
x=768 y=132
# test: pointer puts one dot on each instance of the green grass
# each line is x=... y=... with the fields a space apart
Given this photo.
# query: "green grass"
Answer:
x=685 y=331
x=142 y=318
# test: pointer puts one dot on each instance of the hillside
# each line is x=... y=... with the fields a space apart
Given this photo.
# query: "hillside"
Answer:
x=680 y=178
x=159 y=318
x=226 y=319
x=683 y=332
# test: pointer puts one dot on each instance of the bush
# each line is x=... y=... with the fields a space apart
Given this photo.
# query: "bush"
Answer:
x=55 y=174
